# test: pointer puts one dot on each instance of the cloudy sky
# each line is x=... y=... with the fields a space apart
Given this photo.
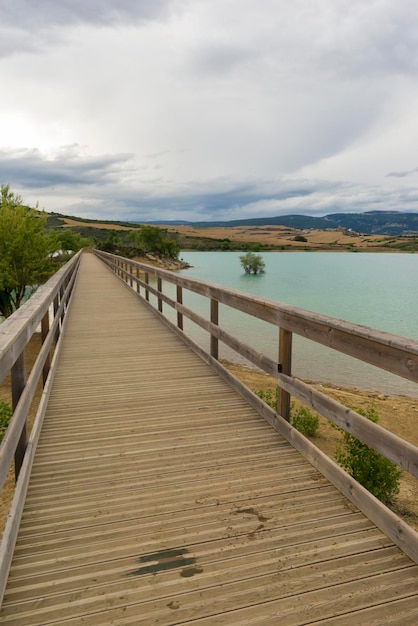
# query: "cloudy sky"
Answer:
x=209 y=109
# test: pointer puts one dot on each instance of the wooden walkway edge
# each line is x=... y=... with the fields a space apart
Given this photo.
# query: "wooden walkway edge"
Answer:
x=158 y=496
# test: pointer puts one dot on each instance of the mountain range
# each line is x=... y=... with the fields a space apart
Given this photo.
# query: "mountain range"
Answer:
x=371 y=222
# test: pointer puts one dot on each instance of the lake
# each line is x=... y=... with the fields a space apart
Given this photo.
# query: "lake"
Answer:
x=376 y=290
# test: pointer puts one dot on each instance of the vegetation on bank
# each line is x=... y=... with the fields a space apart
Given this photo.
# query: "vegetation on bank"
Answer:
x=34 y=245
x=121 y=241
x=139 y=242
x=5 y=417
x=29 y=251
x=370 y=468
x=301 y=418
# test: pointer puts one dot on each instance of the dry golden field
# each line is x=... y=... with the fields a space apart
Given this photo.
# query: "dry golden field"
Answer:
x=283 y=236
x=277 y=237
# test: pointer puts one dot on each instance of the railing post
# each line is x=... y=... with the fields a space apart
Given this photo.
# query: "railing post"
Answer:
x=146 y=278
x=160 y=288
x=62 y=291
x=131 y=271
x=214 y=318
x=44 y=334
x=137 y=283
x=18 y=376
x=56 y=307
x=285 y=367
x=179 y=291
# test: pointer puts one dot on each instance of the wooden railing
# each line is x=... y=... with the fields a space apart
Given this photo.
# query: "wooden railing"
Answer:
x=386 y=351
x=45 y=311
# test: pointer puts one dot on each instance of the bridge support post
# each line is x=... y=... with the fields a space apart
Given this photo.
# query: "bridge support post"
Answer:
x=44 y=334
x=56 y=307
x=138 y=289
x=62 y=291
x=179 y=291
x=214 y=318
x=160 y=288
x=285 y=361
x=18 y=376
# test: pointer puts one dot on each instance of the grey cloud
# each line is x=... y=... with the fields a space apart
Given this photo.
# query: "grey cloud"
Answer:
x=27 y=26
x=220 y=58
x=402 y=174
x=31 y=15
x=30 y=168
x=134 y=193
x=116 y=186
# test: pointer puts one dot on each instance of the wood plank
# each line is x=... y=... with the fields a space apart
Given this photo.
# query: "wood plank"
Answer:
x=159 y=496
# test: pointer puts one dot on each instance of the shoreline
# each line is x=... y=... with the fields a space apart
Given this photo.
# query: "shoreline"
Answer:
x=248 y=372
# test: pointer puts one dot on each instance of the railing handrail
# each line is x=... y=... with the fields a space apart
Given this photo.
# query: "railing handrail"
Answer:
x=17 y=330
x=393 y=353
x=326 y=330
x=15 y=333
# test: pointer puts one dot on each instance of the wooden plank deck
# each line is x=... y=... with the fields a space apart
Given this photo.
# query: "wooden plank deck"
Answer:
x=158 y=496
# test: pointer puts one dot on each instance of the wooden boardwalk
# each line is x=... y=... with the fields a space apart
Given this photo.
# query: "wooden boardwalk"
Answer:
x=158 y=496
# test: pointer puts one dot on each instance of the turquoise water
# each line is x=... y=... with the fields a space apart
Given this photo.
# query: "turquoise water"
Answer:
x=376 y=290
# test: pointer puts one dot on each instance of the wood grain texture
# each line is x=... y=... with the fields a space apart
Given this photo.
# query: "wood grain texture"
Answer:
x=159 y=496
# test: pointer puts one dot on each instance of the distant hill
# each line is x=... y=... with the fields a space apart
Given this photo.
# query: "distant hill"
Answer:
x=291 y=221
x=391 y=223
x=378 y=222
x=372 y=222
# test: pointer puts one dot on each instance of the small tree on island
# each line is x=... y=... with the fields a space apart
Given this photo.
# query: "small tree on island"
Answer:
x=252 y=263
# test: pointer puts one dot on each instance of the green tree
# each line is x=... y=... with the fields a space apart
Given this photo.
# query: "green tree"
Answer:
x=170 y=248
x=69 y=240
x=151 y=239
x=252 y=263
x=24 y=251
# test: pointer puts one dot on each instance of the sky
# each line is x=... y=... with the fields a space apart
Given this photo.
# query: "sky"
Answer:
x=146 y=110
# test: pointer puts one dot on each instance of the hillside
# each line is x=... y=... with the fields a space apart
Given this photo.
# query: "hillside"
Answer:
x=378 y=222
x=370 y=223
x=343 y=232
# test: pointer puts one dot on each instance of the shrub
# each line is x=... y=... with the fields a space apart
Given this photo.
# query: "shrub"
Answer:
x=269 y=396
x=252 y=263
x=5 y=415
x=305 y=421
x=302 y=419
x=299 y=238
x=371 y=469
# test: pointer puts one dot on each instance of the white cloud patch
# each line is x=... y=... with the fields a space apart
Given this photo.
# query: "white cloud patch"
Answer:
x=210 y=108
